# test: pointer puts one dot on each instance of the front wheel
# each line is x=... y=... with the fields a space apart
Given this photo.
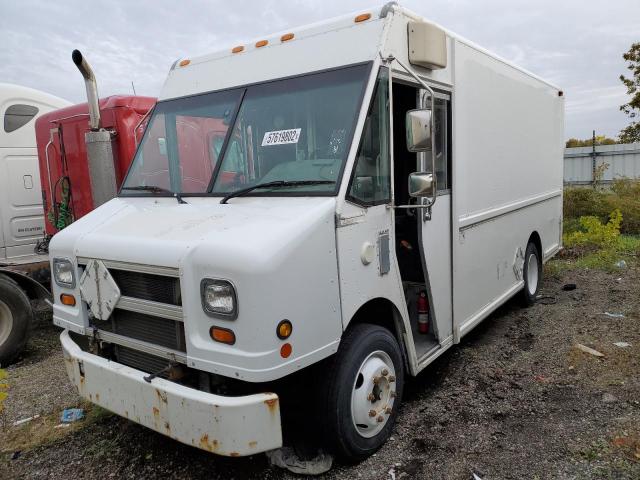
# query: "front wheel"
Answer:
x=363 y=392
x=532 y=274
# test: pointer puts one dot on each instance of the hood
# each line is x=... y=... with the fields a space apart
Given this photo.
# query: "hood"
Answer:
x=160 y=231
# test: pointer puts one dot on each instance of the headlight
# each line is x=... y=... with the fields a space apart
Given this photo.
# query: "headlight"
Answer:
x=219 y=298
x=63 y=273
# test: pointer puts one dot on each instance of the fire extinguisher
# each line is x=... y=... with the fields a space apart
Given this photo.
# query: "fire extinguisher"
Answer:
x=423 y=313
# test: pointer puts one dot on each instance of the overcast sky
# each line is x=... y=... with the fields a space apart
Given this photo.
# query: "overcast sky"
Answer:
x=576 y=44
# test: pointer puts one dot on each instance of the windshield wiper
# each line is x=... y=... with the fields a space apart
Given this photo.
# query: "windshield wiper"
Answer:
x=275 y=184
x=156 y=189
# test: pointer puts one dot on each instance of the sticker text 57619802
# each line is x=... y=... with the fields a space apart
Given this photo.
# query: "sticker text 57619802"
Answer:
x=280 y=137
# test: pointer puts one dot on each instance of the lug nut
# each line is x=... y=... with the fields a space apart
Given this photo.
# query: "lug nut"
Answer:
x=380 y=419
x=372 y=413
x=376 y=380
x=371 y=397
x=388 y=410
x=385 y=372
x=392 y=379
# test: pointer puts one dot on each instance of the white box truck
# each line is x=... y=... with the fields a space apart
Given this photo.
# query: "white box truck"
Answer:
x=358 y=193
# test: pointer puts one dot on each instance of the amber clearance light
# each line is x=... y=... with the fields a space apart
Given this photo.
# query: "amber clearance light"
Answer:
x=68 y=300
x=284 y=329
x=363 y=17
x=222 y=335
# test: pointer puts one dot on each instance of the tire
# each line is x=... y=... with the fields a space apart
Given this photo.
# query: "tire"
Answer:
x=367 y=352
x=15 y=320
x=532 y=274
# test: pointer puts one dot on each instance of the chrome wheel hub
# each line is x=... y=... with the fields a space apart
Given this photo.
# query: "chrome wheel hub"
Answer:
x=6 y=322
x=532 y=273
x=373 y=394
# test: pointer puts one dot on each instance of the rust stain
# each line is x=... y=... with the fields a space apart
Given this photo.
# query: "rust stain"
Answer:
x=167 y=426
x=97 y=397
x=156 y=412
x=126 y=413
x=272 y=404
x=205 y=444
x=161 y=396
x=253 y=444
x=234 y=454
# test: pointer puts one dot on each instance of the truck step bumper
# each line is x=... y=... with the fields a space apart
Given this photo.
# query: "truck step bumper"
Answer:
x=230 y=426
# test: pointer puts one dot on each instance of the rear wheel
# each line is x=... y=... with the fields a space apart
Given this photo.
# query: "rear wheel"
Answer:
x=532 y=274
x=363 y=392
x=15 y=320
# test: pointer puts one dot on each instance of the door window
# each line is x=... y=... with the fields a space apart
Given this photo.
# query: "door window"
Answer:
x=371 y=180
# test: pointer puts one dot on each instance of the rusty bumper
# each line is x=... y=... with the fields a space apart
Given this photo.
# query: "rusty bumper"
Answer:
x=231 y=426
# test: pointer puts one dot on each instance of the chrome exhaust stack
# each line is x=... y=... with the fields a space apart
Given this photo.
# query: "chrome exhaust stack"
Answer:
x=99 y=142
x=91 y=86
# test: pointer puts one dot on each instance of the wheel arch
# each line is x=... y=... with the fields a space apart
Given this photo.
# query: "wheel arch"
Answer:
x=383 y=312
x=33 y=289
x=537 y=241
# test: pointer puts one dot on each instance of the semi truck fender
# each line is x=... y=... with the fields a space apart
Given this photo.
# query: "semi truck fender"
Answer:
x=34 y=289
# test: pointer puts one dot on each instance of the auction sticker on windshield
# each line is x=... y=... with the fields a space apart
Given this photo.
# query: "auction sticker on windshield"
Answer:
x=281 y=137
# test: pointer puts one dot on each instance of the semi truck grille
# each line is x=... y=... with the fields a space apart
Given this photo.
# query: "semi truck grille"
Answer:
x=146 y=286
x=138 y=326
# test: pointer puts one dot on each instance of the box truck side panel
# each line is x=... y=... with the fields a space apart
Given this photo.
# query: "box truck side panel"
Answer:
x=507 y=136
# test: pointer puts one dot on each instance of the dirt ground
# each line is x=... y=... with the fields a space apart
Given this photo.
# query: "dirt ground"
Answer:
x=514 y=400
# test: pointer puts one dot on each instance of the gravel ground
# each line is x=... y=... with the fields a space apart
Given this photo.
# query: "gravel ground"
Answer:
x=514 y=400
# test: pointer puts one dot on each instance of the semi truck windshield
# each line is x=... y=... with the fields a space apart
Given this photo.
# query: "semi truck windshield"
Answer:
x=291 y=130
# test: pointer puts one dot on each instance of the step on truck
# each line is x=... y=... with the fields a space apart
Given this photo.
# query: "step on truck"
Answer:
x=359 y=194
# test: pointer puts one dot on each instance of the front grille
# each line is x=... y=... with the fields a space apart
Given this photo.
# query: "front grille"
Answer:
x=158 y=331
x=141 y=361
x=146 y=286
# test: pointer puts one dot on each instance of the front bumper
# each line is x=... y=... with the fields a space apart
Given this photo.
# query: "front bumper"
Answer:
x=231 y=426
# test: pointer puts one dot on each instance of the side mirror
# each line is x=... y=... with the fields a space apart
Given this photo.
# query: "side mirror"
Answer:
x=421 y=185
x=418 y=126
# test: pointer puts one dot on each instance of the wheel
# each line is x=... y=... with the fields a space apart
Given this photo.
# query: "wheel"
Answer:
x=363 y=391
x=532 y=274
x=15 y=320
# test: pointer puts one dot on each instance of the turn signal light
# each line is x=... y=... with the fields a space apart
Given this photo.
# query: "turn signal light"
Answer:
x=184 y=63
x=363 y=17
x=262 y=43
x=284 y=329
x=285 y=350
x=222 y=335
x=68 y=300
x=237 y=49
x=286 y=37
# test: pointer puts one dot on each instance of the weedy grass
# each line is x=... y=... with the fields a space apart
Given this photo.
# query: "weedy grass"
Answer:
x=45 y=429
x=593 y=240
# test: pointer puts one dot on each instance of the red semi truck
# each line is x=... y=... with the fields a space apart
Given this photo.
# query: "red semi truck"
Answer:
x=84 y=152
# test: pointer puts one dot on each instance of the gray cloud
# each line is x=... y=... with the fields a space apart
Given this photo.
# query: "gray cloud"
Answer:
x=575 y=44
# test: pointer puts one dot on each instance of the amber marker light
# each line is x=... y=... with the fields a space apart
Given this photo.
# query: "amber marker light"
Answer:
x=286 y=37
x=237 y=49
x=262 y=43
x=222 y=335
x=285 y=350
x=68 y=300
x=284 y=329
x=184 y=63
x=363 y=17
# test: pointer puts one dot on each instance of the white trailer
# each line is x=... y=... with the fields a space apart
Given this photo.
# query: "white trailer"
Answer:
x=356 y=194
x=22 y=270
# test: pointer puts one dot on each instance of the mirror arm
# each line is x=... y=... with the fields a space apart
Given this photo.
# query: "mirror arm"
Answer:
x=432 y=94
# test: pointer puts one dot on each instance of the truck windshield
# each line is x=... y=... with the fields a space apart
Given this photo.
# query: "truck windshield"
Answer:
x=295 y=129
